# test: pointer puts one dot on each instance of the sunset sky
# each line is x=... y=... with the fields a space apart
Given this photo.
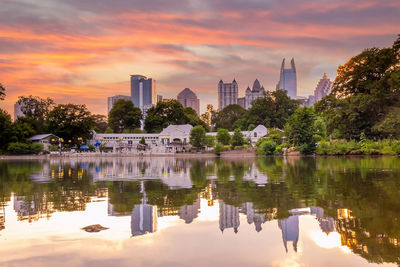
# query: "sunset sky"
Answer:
x=82 y=51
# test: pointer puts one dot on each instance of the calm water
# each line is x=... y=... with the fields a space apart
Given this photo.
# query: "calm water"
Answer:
x=203 y=212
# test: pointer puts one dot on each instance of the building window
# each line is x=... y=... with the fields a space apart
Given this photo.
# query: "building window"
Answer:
x=255 y=134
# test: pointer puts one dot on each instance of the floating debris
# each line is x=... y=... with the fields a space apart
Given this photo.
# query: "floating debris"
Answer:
x=94 y=228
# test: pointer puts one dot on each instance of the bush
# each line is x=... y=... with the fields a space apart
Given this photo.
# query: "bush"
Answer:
x=223 y=136
x=218 y=149
x=267 y=148
x=237 y=138
x=53 y=148
x=24 y=149
x=279 y=149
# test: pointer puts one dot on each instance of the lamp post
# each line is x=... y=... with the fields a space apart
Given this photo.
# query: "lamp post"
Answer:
x=60 y=140
x=120 y=143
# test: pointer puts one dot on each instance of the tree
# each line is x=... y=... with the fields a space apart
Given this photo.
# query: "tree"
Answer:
x=272 y=110
x=71 y=122
x=197 y=136
x=237 y=138
x=300 y=130
x=364 y=93
x=36 y=111
x=208 y=116
x=6 y=130
x=223 y=136
x=142 y=141
x=124 y=115
x=228 y=116
x=209 y=141
x=2 y=92
x=169 y=112
x=99 y=123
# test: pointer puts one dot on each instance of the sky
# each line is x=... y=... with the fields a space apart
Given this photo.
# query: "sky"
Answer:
x=82 y=51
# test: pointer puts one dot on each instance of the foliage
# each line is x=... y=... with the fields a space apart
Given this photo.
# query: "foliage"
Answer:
x=36 y=111
x=228 y=116
x=24 y=148
x=124 y=115
x=70 y=122
x=363 y=147
x=109 y=130
x=267 y=147
x=2 y=92
x=169 y=112
x=6 y=130
x=22 y=129
x=197 y=136
x=223 y=136
x=209 y=141
x=300 y=130
x=272 y=111
x=53 y=148
x=237 y=138
x=207 y=117
x=365 y=94
x=218 y=149
x=142 y=141
x=99 y=123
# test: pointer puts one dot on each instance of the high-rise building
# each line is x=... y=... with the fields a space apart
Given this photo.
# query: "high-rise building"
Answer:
x=323 y=88
x=227 y=94
x=288 y=79
x=18 y=111
x=253 y=94
x=290 y=230
x=159 y=98
x=112 y=99
x=241 y=101
x=143 y=91
x=189 y=99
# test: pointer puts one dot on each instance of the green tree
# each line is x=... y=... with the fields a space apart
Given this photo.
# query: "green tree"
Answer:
x=228 y=116
x=197 y=136
x=36 y=111
x=209 y=141
x=124 y=115
x=237 y=138
x=364 y=93
x=100 y=123
x=193 y=119
x=300 y=130
x=71 y=122
x=142 y=141
x=223 y=136
x=2 y=92
x=6 y=130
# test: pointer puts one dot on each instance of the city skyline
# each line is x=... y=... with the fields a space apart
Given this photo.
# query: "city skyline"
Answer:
x=74 y=51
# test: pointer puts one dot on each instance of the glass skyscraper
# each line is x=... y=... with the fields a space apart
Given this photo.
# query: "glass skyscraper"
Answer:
x=143 y=91
x=288 y=79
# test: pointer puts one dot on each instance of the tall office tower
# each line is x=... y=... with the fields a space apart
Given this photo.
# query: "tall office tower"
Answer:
x=18 y=111
x=227 y=94
x=112 y=99
x=228 y=217
x=143 y=91
x=323 y=89
x=288 y=79
x=241 y=101
x=253 y=94
x=189 y=99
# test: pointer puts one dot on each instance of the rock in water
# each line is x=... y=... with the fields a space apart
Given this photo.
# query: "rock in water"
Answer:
x=94 y=228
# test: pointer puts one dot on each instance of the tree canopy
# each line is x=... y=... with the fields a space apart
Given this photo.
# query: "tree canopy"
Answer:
x=2 y=92
x=364 y=95
x=197 y=136
x=124 y=115
x=228 y=116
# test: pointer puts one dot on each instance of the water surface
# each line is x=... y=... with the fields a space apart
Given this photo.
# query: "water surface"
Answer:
x=200 y=212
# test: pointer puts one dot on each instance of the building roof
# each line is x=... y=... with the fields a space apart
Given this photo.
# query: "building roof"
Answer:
x=256 y=86
x=40 y=137
x=187 y=93
x=186 y=128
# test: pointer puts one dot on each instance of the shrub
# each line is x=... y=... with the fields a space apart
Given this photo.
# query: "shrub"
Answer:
x=53 y=148
x=279 y=149
x=218 y=149
x=223 y=136
x=23 y=148
x=237 y=138
x=267 y=148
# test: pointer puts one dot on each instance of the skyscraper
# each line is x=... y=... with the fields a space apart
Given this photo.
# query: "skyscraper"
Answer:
x=288 y=79
x=254 y=93
x=323 y=89
x=143 y=91
x=227 y=94
x=189 y=99
x=112 y=99
x=18 y=110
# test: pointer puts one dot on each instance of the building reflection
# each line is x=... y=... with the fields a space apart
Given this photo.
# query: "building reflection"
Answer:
x=228 y=217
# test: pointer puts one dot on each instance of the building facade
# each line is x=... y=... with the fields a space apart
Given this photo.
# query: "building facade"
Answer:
x=324 y=88
x=288 y=79
x=18 y=111
x=254 y=93
x=227 y=94
x=143 y=91
x=112 y=99
x=189 y=99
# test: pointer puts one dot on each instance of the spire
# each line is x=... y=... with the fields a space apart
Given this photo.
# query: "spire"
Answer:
x=234 y=80
x=325 y=76
x=293 y=65
x=282 y=66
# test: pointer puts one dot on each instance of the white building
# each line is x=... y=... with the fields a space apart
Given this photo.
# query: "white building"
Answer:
x=227 y=94
x=112 y=99
x=18 y=111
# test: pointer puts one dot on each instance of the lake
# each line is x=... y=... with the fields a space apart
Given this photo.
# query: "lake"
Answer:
x=333 y=211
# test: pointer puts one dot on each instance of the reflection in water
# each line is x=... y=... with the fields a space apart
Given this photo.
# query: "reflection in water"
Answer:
x=354 y=198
